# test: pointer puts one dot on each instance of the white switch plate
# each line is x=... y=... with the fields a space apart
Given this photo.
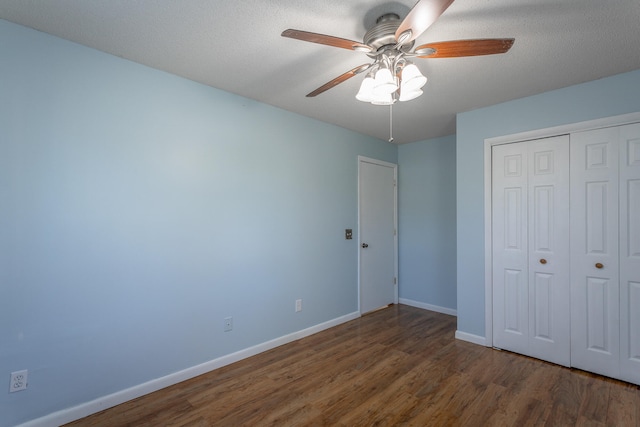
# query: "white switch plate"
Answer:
x=228 y=324
x=298 y=305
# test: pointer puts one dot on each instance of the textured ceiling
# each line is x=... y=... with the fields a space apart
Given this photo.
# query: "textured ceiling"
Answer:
x=236 y=46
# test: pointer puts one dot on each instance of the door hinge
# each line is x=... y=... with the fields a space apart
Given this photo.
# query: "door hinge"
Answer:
x=395 y=281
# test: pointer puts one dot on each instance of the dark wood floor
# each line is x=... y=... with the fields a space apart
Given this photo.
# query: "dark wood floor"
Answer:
x=398 y=366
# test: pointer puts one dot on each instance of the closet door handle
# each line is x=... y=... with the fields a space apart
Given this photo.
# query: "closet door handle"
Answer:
x=599 y=265
x=543 y=261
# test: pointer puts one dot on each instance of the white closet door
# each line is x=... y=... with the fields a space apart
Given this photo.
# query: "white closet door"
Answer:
x=595 y=344
x=549 y=290
x=531 y=248
x=510 y=237
x=630 y=253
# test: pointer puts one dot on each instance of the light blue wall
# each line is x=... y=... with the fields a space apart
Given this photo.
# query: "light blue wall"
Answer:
x=138 y=209
x=427 y=221
x=601 y=98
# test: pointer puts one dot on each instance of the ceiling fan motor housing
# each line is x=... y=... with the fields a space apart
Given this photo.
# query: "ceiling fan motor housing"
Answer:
x=384 y=32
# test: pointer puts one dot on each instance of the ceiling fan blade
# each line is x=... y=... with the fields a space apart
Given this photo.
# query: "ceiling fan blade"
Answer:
x=460 y=48
x=423 y=14
x=324 y=39
x=341 y=78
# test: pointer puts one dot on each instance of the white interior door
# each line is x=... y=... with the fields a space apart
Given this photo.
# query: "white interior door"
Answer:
x=595 y=330
x=377 y=234
x=630 y=253
x=530 y=248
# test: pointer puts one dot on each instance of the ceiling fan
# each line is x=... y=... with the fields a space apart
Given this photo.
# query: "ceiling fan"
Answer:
x=391 y=76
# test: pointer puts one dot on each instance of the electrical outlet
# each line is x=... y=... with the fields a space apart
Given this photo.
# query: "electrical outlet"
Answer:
x=228 y=324
x=18 y=381
x=298 y=305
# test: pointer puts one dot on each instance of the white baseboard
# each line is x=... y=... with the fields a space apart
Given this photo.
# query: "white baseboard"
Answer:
x=430 y=307
x=85 y=409
x=475 y=339
x=463 y=336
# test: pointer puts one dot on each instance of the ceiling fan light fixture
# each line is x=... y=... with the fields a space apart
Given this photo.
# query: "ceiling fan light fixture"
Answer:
x=384 y=99
x=385 y=82
x=365 y=94
x=409 y=95
x=412 y=79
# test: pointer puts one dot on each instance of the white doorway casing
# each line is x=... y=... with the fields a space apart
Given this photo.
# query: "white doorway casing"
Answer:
x=377 y=232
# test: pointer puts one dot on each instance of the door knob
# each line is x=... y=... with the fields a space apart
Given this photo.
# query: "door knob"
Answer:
x=599 y=265
x=365 y=245
x=543 y=261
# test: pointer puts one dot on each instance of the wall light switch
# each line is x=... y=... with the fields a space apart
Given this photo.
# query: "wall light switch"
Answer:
x=348 y=234
x=228 y=324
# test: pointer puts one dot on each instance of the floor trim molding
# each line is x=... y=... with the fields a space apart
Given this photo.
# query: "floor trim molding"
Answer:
x=475 y=339
x=430 y=307
x=85 y=409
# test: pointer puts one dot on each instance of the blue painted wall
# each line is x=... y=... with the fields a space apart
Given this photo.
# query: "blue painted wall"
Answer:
x=597 y=99
x=138 y=209
x=427 y=221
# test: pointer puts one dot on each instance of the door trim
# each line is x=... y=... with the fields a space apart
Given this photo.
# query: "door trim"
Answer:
x=520 y=137
x=363 y=159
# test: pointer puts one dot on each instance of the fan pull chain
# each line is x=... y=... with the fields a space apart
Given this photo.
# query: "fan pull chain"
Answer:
x=391 y=123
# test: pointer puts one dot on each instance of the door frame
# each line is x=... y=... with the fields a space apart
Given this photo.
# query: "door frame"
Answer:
x=363 y=159
x=520 y=137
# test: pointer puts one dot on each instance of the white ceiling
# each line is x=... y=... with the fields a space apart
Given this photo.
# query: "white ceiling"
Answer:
x=236 y=46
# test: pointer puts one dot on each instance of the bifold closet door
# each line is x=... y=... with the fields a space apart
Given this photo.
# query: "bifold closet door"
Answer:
x=630 y=253
x=530 y=223
x=595 y=295
x=605 y=251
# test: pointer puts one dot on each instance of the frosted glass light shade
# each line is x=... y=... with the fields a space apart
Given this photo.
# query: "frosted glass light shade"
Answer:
x=412 y=78
x=365 y=94
x=383 y=99
x=385 y=83
x=408 y=95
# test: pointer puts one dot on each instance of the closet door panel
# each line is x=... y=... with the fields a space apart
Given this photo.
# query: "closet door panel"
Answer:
x=530 y=218
x=629 y=332
x=630 y=253
x=509 y=221
x=543 y=322
x=600 y=330
x=548 y=228
x=595 y=340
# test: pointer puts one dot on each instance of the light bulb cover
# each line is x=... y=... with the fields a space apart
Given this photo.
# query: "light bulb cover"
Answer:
x=386 y=99
x=385 y=82
x=365 y=94
x=412 y=78
x=408 y=95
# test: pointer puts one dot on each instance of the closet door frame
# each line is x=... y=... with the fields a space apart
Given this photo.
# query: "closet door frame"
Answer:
x=520 y=137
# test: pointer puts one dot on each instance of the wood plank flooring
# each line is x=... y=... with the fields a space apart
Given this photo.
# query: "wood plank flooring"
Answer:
x=397 y=366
